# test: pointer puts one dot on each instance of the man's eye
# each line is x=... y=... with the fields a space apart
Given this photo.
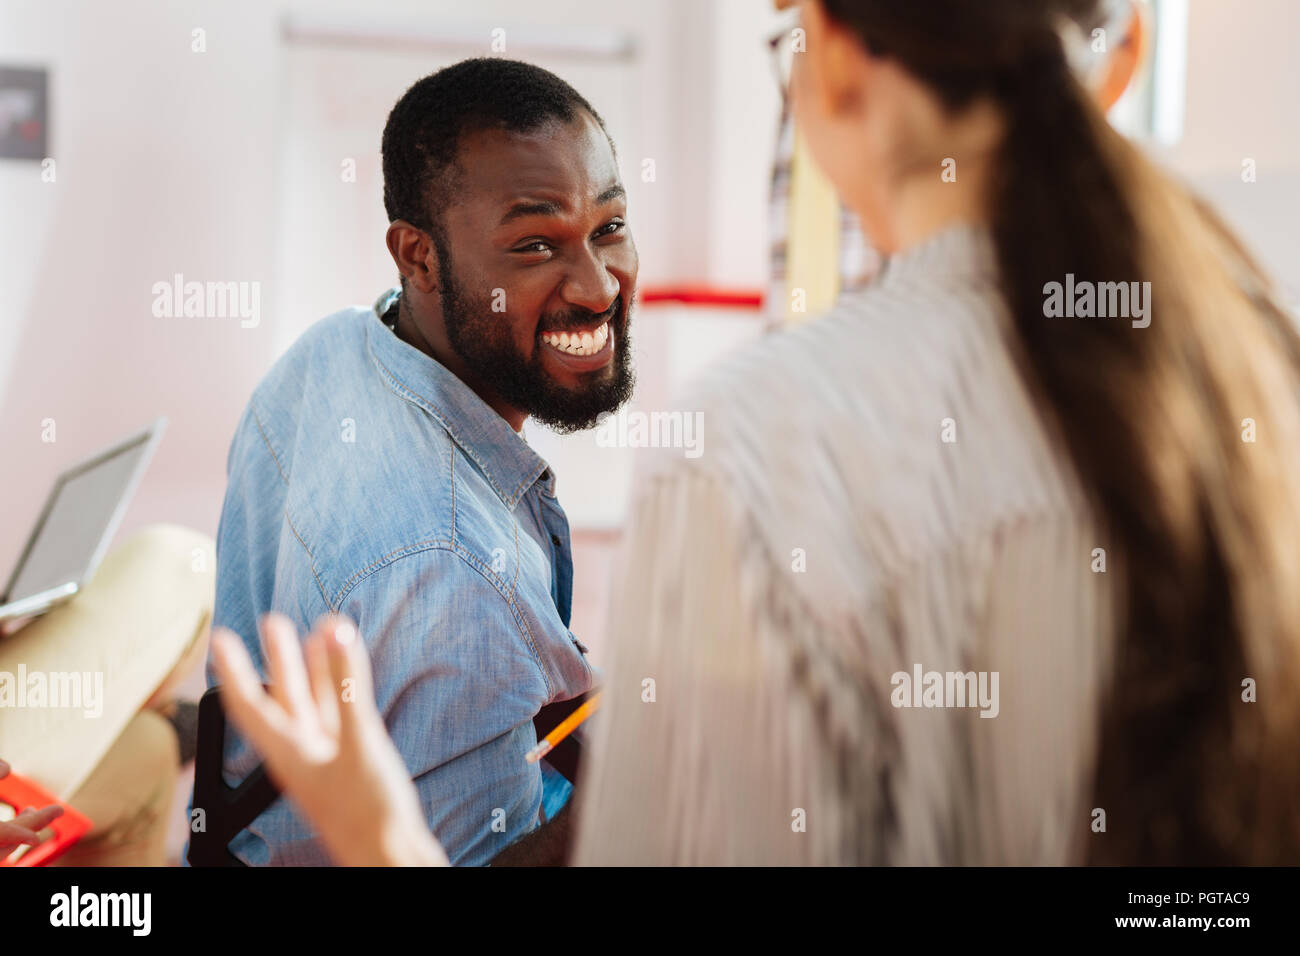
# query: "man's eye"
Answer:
x=537 y=245
x=611 y=228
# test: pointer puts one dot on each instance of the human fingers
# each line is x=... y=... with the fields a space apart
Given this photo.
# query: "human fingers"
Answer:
x=259 y=716
x=323 y=688
x=284 y=661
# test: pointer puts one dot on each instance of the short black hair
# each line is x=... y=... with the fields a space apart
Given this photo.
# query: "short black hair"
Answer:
x=422 y=135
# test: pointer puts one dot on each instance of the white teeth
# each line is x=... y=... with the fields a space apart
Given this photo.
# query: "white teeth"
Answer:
x=585 y=343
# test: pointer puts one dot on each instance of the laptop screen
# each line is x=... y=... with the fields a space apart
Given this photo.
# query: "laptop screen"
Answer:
x=82 y=507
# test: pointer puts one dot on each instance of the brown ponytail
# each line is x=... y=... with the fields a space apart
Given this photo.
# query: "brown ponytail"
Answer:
x=1202 y=528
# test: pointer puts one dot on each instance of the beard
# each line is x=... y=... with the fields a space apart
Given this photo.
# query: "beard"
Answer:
x=483 y=341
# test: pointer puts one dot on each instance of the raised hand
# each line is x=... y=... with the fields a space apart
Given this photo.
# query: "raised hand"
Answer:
x=324 y=743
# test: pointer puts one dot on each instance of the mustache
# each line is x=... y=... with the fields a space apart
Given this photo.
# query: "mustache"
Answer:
x=583 y=319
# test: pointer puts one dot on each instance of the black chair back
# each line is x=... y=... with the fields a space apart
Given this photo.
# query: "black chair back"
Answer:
x=227 y=810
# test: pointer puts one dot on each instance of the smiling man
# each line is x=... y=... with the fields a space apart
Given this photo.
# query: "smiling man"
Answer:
x=379 y=470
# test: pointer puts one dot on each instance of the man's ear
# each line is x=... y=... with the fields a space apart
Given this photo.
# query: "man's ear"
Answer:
x=414 y=254
x=1126 y=58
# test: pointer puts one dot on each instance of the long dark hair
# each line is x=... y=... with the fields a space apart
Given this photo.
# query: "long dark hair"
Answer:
x=1200 y=517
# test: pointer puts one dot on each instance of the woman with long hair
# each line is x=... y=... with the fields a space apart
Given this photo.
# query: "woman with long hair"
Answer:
x=1045 y=471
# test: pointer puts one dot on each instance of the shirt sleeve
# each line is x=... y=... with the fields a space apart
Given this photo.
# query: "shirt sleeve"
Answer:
x=687 y=762
x=458 y=683
x=736 y=731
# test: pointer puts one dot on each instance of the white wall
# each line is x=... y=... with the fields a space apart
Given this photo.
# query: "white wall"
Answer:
x=163 y=161
x=169 y=161
x=1243 y=101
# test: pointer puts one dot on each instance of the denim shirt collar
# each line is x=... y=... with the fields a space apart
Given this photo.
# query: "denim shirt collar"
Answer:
x=509 y=464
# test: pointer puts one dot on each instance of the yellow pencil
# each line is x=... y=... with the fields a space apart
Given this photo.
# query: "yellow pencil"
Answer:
x=564 y=728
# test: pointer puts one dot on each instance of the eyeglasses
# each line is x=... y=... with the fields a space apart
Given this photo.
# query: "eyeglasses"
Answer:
x=784 y=44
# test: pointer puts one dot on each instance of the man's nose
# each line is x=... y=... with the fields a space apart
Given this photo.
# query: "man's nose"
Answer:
x=590 y=285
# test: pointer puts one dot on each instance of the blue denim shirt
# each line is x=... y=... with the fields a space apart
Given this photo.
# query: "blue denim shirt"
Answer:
x=366 y=479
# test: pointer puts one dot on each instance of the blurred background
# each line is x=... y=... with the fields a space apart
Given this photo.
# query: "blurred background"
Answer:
x=238 y=141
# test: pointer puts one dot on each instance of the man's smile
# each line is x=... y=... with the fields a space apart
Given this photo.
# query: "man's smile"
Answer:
x=583 y=349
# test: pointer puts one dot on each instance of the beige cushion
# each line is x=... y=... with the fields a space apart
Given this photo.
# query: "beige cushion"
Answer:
x=146 y=606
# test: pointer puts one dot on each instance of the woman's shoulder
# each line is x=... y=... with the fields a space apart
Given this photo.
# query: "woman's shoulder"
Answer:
x=876 y=365
x=897 y=415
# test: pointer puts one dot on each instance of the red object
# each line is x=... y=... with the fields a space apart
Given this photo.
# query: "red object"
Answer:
x=702 y=295
x=68 y=829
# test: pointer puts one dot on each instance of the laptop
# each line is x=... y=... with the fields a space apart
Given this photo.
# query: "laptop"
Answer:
x=76 y=525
